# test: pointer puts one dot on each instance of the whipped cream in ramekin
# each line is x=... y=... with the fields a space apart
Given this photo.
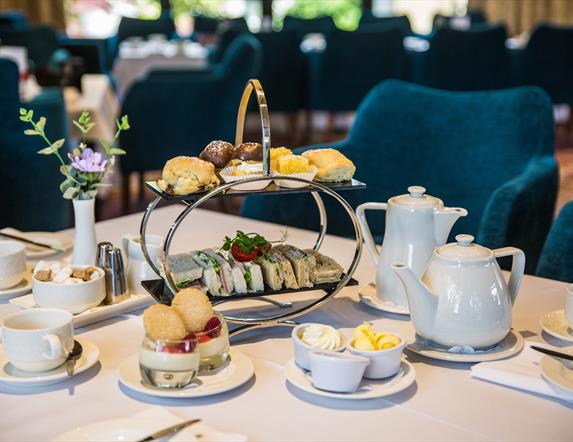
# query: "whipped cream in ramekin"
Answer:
x=323 y=337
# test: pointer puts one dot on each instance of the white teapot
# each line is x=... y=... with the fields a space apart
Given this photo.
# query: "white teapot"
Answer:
x=137 y=267
x=462 y=298
x=415 y=224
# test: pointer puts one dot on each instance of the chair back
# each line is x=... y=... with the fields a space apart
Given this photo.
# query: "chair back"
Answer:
x=471 y=60
x=225 y=39
x=205 y=24
x=556 y=261
x=283 y=78
x=41 y=42
x=302 y=26
x=370 y=22
x=32 y=200
x=358 y=60
x=548 y=61
x=136 y=27
x=15 y=20
x=179 y=113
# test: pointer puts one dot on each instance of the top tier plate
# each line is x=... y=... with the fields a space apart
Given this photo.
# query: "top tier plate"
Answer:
x=271 y=189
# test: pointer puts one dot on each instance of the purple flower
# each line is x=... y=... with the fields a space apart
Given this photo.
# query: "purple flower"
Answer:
x=90 y=161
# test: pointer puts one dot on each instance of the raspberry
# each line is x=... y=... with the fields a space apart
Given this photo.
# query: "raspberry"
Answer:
x=212 y=328
x=188 y=346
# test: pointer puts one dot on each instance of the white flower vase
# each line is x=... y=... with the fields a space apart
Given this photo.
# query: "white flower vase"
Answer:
x=85 y=243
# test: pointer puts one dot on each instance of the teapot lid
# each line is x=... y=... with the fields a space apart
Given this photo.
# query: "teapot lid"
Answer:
x=416 y=197
x=464 y=249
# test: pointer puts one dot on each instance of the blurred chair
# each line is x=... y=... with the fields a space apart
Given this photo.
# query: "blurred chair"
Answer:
x=31 y=196
x=205 y=24
x=135 y=27
x=15 y=20
x=91 y=50
x=547 y=62
x=369 y=22
x=179 y=112
x=351 y=65
x=302 y=26
x=489 y=152
x=472 y=18
x=283 y=77
x=556 y=261
x=224 y=41
x=464 y=60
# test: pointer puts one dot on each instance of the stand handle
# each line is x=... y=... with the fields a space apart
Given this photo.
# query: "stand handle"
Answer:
x=255 y=85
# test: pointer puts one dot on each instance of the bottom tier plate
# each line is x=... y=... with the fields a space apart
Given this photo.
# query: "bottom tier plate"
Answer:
x=159 y=290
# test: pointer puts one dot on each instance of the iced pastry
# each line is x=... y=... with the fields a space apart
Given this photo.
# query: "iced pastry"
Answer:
x=218 y=152
x=323 y=337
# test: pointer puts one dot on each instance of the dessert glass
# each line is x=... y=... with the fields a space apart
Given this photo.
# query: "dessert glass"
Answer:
x=169 y=364
x=213 y=346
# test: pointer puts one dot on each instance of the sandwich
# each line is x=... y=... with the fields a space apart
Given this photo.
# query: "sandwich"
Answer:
x=253 y=276
x=185 y=270
x=303 y=263
x=238 y=273
x=225 y=273
x=326 y=270
x=211 y=269
x=277 y=271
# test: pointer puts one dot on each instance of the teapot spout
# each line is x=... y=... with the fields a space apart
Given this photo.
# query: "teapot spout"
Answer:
x=422 y=302
x=444 y=220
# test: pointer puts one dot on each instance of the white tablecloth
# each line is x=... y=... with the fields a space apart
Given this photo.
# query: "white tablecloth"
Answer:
x=443 y=404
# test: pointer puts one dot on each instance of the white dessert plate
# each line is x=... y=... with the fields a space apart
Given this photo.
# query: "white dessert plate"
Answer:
x=557 y=371
x=367 y=295
x=368 y=389
x=12 y=376
x=555 y=324
x=95 y=314
x=239 y=370
x=23 y=286
x=508 y=346
x=55 y=239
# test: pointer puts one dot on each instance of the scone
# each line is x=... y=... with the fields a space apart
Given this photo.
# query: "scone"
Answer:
x=218 y=152
x=332 y=165
x=185 y=175
x=163 y=322
x=194 y=307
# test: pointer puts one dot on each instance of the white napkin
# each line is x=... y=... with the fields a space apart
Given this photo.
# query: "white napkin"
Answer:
x=521 y=372
x=145 y=423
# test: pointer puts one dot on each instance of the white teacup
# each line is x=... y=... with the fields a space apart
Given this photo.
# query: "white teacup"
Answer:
x=12 y=263
x=39 y=339
x=569 y=305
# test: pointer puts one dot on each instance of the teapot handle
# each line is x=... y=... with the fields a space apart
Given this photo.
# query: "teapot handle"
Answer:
x=366 y=233
x=517 y=268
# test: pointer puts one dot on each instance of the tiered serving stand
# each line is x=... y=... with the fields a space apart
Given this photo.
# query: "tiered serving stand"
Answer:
x=164 y=289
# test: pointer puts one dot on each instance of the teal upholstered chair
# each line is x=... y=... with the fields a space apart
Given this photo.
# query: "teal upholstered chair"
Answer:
x=547 y=62
x=490 y=152
x=556 y=261
x=465 y=60
x=302 y=26
x=31 y=198
x=368 y=21
x=13 y=20
x=180 y=112
x=473 y=16
x=351 y=65
x=136 y=27
x=225 y=39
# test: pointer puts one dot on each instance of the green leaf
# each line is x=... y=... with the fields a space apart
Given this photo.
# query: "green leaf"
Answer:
x=65 y=170
x=23 y=111
x=41 y=124
x=79 y=126
x=89 y=127
x=117 y=151
x=30 y=132
x=71 y=193
x=30 y=115
x=53 y=148
x=106 y=147
x=124 y=123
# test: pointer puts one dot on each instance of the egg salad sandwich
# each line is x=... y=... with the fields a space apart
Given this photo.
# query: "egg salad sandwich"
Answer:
x=303 y=263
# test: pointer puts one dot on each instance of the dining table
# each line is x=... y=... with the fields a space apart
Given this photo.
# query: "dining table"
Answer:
x=444 y=402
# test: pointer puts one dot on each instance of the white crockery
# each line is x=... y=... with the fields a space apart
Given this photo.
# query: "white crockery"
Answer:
x=558 y=372
x=12 y=263
x=383 y=363
x=462 y=299
x=37 y=340
x=555 y=323
x=338 y=372
x=74 y=298
x=137 y=267
x=569 y=305
x=415 y=224
x=302 y=350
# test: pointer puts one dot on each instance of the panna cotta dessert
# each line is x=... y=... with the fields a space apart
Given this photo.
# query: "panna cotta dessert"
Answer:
x=213 y=344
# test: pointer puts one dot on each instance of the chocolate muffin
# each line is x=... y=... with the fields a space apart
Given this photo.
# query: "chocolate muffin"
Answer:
x=248 y=152
x=218 y=152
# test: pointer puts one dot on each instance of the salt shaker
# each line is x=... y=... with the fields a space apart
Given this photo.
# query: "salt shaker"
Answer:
x=110 y=260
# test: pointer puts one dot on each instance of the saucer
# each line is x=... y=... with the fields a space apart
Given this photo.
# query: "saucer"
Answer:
x=51 y=238
x=367 y=295
x=23 y=286
x=508 y=346
x=236 y=373
x=555 y=324
x=12 y=376
x=558 y=371
x=368 y=389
